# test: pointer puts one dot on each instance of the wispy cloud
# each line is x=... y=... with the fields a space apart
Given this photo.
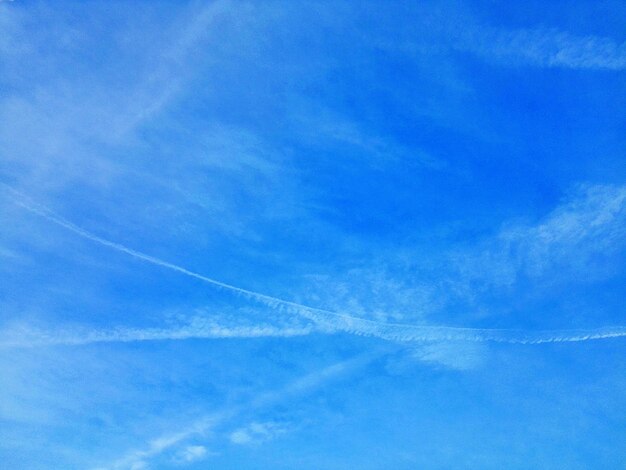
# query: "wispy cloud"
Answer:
x=56 y=111
x=138 y=459
x=454 y=355
x=590 y=222
x=593 y=221
x=322 y=127
x=257 y=432
x=192 y=454
x=544 y=48
x=340 y=322
x=213 y=204
x=24 y=337
x=141 y=458
x=163 y=83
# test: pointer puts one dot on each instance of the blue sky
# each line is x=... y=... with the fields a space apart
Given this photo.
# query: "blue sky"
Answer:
x=317 y=235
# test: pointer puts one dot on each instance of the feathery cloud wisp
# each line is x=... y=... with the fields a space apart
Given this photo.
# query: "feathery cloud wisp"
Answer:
x=339 y=322
x=545 y=48
x=139 y=458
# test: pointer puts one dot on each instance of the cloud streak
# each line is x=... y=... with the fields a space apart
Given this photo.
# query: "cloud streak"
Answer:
x=328 y=321
x=29 y=338
x=546 y=48
x=139 y=458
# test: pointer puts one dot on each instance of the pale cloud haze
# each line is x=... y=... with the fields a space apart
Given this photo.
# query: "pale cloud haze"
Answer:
x=312 y=235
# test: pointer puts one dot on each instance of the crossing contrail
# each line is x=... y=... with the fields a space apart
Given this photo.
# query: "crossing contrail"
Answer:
x=24 y=338
x=334 y=322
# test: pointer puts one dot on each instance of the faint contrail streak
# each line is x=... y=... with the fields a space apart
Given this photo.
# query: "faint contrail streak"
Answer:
x=333 y=322
x=138 y=458
x=31 y=338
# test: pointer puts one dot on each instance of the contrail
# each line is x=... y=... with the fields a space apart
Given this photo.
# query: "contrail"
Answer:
x=303 y=385
x=25 y=338
x=334 y=322
x=32 y=338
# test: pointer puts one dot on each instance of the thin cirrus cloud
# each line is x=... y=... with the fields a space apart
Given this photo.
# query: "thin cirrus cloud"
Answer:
x=192 y=453
x=139 y=458
x=327 y=321
x=28 y=338
x=200 y=428
x=257 y=432
x=356 y=175
x=591 y=222
x=545 y=48
x=63 y=120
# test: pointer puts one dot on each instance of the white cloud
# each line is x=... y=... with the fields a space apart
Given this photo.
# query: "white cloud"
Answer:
x=241 y=436
x=573 y=238
x=321 y=127
x=138 y=459
x=26 y=337
x=597 y=218
x=54 y=117
x=545 y=48
x=257 y=432
x=591 y=223
x=374 y=291
x=192 y=453
x=454 y=355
